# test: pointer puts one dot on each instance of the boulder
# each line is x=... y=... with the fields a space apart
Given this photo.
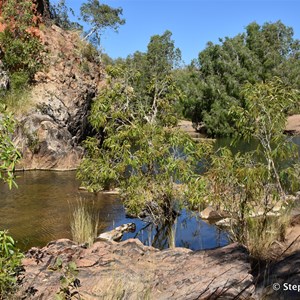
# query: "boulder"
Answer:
x=209 y=213
x=51 y=130
x=117 y=233
x=4 y=78
x=130 y=270
x=227 y=222
x=45 y=144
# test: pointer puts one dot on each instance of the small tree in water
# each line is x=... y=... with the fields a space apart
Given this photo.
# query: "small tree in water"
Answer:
x=141 y=151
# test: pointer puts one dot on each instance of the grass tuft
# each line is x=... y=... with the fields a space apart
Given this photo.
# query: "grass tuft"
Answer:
x=84 y=225
x=260 y=239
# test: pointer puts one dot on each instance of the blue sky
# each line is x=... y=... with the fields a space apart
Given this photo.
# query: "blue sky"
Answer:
x=192 y=22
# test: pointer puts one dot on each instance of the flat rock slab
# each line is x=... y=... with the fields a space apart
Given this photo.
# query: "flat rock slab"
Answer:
x=130 y=270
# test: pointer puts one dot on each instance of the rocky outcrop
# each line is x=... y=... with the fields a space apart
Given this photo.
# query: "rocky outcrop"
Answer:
x=49 y=134
x=108 y=270
x=4 y=78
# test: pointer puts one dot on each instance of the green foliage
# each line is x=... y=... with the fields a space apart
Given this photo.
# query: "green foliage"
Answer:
x=69 y=283
x=18 y=14
x=88 y=52
x=9 y=155
x=151 y=76
x=264 y=118
x=100 y=17
x=19 y=80
x=192 y=89
x=140 y=150
x=10 y=262
x=22 y=49
x=60 y=16
x=261 y=236
x=251 y=184
x=259 y=54
x=22 y=55
x=162 y=56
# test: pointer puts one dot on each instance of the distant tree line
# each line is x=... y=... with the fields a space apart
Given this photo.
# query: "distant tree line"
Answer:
x=212 y=84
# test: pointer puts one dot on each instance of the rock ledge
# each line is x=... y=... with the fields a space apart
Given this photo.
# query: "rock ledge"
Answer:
x=139 y=271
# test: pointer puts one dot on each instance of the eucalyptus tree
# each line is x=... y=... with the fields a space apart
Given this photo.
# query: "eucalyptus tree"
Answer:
x=100 y=17
x=264 y=118
x=9 y=155
x=254 y=183
x=141 y=151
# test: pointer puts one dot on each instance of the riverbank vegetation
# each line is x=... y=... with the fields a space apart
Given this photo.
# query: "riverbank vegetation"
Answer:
x=213 y=82
x=243 y=87
x=10 y=256
x=143 y=153
x=140 y=150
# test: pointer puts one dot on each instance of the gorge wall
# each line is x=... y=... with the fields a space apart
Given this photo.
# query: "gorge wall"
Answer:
x=51 y=130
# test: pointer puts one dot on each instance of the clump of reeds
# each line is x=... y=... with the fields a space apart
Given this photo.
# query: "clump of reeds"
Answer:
x=84 y=225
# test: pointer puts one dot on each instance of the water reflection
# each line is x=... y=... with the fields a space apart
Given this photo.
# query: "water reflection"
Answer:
x=40 y=210
x=187 y=231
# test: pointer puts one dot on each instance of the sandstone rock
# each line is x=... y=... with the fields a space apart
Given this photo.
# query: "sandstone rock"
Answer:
x=210 y=213
x=50 y=133
x=46 y=145
x=117 y=233
x=227 y=222
x=4 y=78
x=135 y=271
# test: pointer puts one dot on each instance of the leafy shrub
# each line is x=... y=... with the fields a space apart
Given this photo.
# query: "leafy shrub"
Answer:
x=22 y=56
x=21 y=46
x=10 y=264
x=9 y=155
x=89 y=52
x=69 y=283
x=19 y=80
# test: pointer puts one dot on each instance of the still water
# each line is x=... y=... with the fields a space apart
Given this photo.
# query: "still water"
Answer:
x=40 y=211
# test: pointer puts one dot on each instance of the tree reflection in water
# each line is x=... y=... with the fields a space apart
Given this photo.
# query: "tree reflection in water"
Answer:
x=187 y=230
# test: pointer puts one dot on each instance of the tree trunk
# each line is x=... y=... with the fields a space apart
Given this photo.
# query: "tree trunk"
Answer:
x=43 y=8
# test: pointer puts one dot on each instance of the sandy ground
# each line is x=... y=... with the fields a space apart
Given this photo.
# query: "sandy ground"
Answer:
x=292 y=126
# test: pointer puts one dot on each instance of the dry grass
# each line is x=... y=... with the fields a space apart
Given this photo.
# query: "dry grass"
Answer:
x=260 y=242
x=18 y=102
x=116 y=288
x=84 y=225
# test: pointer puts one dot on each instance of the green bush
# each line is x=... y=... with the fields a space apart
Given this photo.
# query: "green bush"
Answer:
x=19 y=80
x=21 y=47
x=10 y=264
x=9 y=155
x=22 y=55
